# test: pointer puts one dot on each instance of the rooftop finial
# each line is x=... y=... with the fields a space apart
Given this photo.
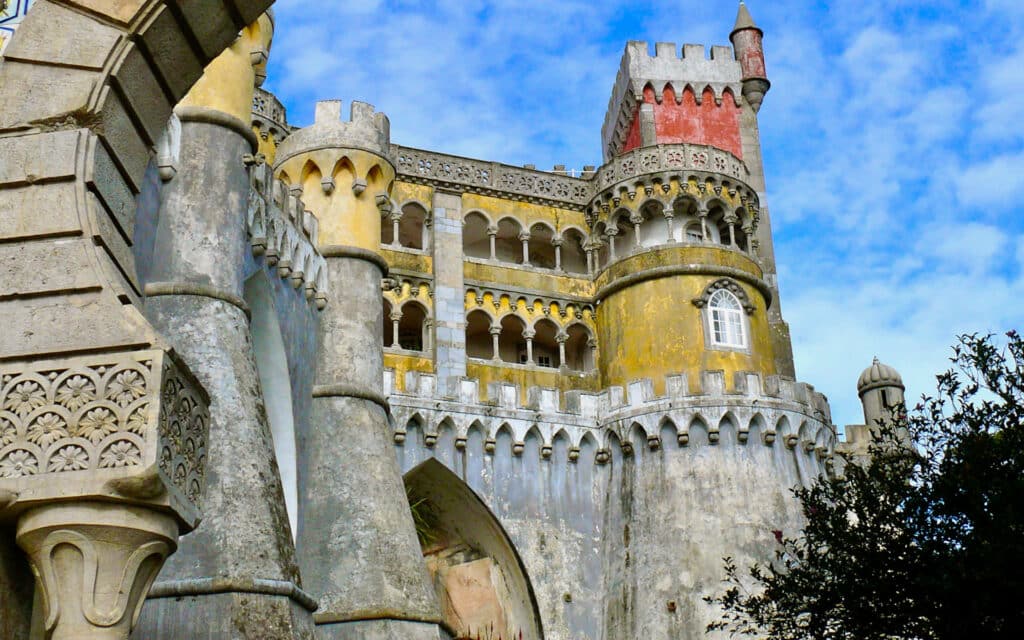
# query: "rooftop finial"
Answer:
x=743 y=18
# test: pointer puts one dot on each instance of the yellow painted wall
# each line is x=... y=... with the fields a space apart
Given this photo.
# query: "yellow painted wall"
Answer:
x=403 y=364
x=407 y=191
x=229 y=81
x=525 y=212
x=407 y=261
x=346 y=218
x=653 y=329
x=526 y=278
x=527 y=377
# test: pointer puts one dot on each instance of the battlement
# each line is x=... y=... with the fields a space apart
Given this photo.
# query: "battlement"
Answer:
x=365 y=129
x=693 y=67
x=710 y=387
x=286 y=234
x=772 y=410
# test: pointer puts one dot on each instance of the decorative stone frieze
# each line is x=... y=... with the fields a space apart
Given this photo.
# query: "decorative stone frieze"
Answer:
x=490 y=178
x=128 y=427
x=671 y=157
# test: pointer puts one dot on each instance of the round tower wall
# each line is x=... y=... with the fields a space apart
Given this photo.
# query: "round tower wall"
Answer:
x=653 y=320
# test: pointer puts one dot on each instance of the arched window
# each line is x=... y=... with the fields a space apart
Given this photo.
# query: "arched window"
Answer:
x=475 y=241
x=511 y=343
x=727 y=323
x=574 y=258
x=412 y=227
x=654 y=228
x=542 y=249
x=508 y=246
x=412 y=327
x=479 y=343
x=579 y=356
x=545 y=345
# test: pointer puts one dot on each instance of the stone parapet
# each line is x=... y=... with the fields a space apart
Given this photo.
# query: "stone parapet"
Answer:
x=697 y=68
x=286 y=234
x=490 y=178
x=128 y=428
x=268 y=114
x=366 y=129
x=779 y=410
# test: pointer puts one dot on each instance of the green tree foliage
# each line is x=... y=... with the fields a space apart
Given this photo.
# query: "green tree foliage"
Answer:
x=918 y=541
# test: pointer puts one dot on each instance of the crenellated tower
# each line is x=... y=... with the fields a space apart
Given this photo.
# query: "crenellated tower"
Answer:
x=356 y=540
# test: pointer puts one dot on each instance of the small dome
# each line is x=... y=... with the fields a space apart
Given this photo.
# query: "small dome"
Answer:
x=879 y=375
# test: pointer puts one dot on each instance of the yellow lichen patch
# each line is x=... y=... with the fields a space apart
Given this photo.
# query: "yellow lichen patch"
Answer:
x=408 y=261
x=403 y=363
x=653 y=329
x=346 y=189
x=527 y=278
x=408 y=192
x=229 y=81
x=527 y=214
x=526 y=377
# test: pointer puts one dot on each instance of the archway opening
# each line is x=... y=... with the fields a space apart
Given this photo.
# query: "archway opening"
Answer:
x=511 y=343
x=508 y=247
x=275 y=382
x=545 y=345
x=475 y=241
x=412 y=227
x=578 y=354
x=574 y=257
x=479 y=343
x=541 y=246
x=479 y=579
x=412 y=327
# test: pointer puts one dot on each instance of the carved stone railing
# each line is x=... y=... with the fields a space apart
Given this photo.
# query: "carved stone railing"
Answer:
x=106 y=455
x=269 y=114
x=673 y=157
x=286 y=234
x=490 y=178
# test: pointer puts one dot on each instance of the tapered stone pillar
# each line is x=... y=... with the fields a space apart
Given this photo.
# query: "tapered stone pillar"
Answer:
x=357 y=543
x=235 y=577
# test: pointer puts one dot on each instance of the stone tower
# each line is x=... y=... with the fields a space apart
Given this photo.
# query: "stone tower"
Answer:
x=356 y=534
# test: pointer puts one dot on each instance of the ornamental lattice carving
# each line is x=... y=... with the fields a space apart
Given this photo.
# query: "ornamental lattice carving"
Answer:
x=100 y=419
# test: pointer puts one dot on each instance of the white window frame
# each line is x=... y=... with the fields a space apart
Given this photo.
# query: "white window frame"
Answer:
x=727 y=325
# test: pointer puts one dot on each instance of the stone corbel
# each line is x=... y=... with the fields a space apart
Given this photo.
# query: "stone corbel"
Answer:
x=105 y=455
x=328 y=185
x=358 y=186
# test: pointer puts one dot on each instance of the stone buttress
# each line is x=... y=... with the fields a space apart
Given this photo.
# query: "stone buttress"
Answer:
x=237 y=576
x=356 y=542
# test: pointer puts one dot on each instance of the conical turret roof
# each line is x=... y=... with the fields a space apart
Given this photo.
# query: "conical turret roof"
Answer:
x=743 y=19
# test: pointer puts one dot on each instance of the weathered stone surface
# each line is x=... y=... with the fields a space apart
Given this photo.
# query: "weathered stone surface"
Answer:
x=46 y=267
x=94 y=562
x=119 y=427
x=84 y=42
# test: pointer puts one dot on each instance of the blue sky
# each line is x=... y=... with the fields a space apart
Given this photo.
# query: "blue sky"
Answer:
x=893 y=140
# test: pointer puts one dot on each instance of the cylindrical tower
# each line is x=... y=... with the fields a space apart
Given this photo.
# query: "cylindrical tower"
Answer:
x=680 y=288
x=237 y=575
x=881 y=390
x=357 y=543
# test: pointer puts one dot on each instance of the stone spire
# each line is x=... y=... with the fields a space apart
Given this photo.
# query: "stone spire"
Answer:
x=747 y=40
x=744 y=19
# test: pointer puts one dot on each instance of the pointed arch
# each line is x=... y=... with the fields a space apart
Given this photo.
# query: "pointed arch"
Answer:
x=484 y=585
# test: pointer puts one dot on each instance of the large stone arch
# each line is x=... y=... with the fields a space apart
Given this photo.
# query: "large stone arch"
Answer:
x=475 y=567
x=88 y=86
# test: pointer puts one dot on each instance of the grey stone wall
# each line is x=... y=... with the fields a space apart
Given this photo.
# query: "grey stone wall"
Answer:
x=622 y=504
